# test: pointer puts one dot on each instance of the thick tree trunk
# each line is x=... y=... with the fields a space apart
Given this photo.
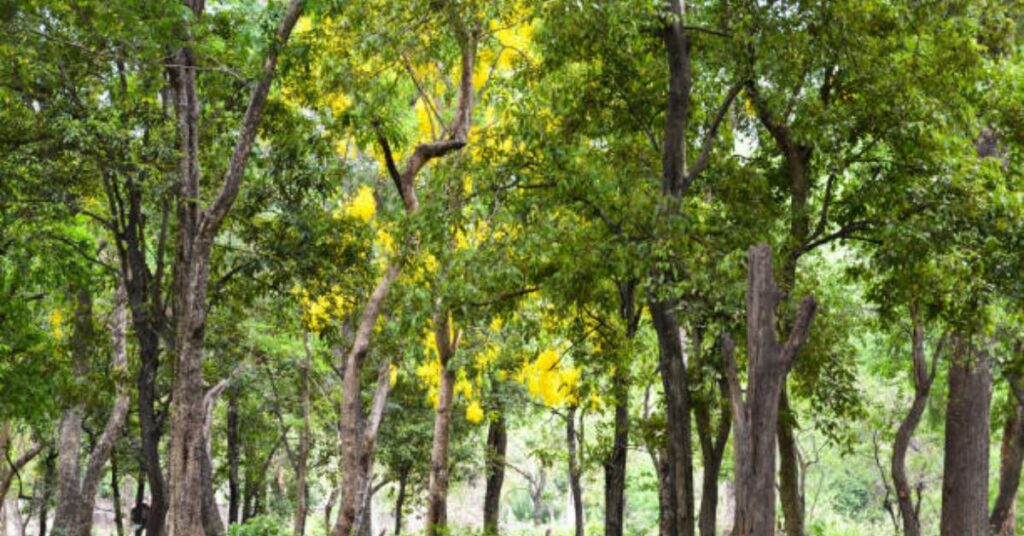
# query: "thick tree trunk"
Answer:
x=69 y=444
x=1011 y=456
x=575 y=486
x=301 y=489
x=923 y=378
x=497 y=445
x=965 y=469
x=437 y=494
x=76 y=496
x=666 y=507
x=196 y=232
x=615 y=464
x=233 y=457
x=755 y=418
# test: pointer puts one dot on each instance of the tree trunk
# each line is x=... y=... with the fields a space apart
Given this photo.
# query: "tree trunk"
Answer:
x=76 y=494
x=115 y=487
x=574 y=471
x=790 y=493
x=69 y=473
x=615 y=465
x=965 y=469
x=437 y=499
x=49 y=476
x=712 y=453
x=679 y=454
x=755 y=418
x=1011 y=455
x=301 y=489
x=665 y=506
x=400 y=502
x=149 y=428
x=923 y=378
x=497 y=445
x=233 y=457
x=196 y=232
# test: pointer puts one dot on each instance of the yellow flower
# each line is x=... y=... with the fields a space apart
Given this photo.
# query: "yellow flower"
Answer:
x=57 y=323
x=363 y=206
x=474 y=413
x=463 y=387
x=393 y=375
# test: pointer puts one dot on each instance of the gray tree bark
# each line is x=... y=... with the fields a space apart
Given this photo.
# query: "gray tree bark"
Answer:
x=755 y=416
x=965 y=466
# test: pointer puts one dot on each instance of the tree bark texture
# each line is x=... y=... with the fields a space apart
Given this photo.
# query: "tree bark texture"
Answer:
x=615 y=465
x=575 y=476
x=755 y=416
x=302 y=463
x=76 y=495
x=497 y=445
x=923 y=377
x=965 y=469
x=437 y=494
x=195 y=235
x=1011 y=454
x=712 y=447
x=234 y=457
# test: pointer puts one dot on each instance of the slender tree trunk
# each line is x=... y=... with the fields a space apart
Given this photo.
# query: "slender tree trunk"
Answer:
x=115 y=487
x=329 y=507
x=1011 y=456
x=575 y=485
x=49 y=477
x=675 y=384
x=301 y=489
x=790 y=492
x=923 y=378
x=615 y=465
x=965 y=469
x=357 y=444
x=712 y=445
x=755 y=418
x=400 y=502
x=497 y=445
x=437 y=498
x=149 y=429
x=233 y=457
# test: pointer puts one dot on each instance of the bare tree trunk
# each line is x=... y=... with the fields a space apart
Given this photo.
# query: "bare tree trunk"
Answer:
x=233 y=457
x=575 y=485
x=923 y=378
x=301 y=489
x=115 y=487
x=437 y=499
x=49 y=476
x=965 y=469
x=615 y=465
x=756 y=416
x=400 y=502
x=497 y=445
x=69 y=473
x=712 y=453
x=329 y=507
x=1011 y=456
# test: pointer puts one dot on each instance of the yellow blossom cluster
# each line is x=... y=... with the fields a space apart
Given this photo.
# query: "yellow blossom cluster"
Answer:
x=319 y=310
x=362 y=206
x=551 y=382
x=57 y=323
